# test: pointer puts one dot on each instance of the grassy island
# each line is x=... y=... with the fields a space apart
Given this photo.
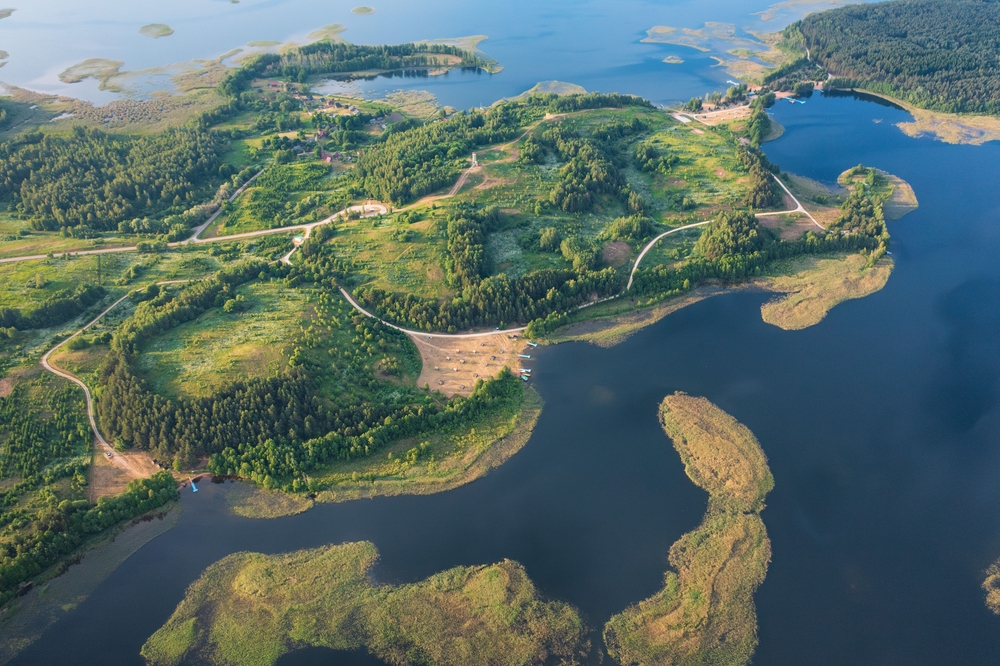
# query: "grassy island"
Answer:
x=156 y=30
x=705 y=613
x=363 y=10
x=992 y=588
x=250 y=609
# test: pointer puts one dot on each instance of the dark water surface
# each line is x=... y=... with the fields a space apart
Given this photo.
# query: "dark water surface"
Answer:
x=880 y=424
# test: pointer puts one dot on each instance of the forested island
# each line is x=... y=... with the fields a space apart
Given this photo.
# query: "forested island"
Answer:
x=238 y=250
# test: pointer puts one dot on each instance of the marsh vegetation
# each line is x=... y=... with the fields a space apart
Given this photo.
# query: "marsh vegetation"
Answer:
x=705 y=613
x=251 y=608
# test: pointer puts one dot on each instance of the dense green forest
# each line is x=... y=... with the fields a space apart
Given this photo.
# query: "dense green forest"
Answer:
x=936 y=55
x=98 y=180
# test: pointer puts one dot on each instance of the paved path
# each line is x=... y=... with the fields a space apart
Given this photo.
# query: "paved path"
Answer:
x=371 y=210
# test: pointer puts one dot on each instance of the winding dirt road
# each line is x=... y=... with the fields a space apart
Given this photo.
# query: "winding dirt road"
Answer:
x=116 y=460
x=799 y=207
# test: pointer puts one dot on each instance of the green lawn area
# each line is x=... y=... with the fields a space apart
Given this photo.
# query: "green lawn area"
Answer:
x=396 y=256
x=199 y=357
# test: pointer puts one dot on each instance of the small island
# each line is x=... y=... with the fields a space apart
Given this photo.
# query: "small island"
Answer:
x=705 y=613
x=363 y=10
x=156 y=30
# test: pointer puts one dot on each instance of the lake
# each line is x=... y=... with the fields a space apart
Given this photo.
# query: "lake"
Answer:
x=880 y=423
x=594 y=44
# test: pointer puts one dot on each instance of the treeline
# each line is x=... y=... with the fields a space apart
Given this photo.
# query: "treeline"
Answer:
x=936 y=55
x=570 y=103
x=99 y=180
x=495 y=301
x=759 y=123
x=764 y=192
x=272 y=460
x=57 y=309
x=63 y=526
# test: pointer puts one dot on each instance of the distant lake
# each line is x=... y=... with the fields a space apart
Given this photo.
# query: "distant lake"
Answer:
x=593 y=44
x=881 y=423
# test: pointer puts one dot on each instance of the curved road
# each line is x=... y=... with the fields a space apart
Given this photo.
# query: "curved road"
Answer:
x=116 y=460
x=422 y=333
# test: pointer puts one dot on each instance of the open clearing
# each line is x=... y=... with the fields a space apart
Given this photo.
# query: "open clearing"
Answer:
x=453 y=366
x=201 y=356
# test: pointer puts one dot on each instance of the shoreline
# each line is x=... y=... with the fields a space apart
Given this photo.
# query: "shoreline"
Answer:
x=28 y=617
x=954 y=128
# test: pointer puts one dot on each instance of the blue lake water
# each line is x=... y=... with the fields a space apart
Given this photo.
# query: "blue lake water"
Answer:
x=595 y=44
x=880 y=423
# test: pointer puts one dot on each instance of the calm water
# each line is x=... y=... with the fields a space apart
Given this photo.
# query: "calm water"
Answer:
x=880 y=423
x=594 y=44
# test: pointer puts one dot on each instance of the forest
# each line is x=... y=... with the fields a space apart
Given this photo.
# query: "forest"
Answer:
x=99 y=180
x=943 y=56
x=735 y=247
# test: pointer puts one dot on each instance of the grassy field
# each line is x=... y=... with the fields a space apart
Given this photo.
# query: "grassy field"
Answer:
x=705 y=612
x=397 y=256
x=201 y=356
x=815 y=285
x=250 y=609
x=249 y=501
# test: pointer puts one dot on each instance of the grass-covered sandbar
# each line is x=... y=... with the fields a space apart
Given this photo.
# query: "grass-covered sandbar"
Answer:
x=705 y=612
x=251 y=608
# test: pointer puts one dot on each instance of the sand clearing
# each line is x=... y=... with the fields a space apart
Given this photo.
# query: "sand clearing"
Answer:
x=454 y=365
